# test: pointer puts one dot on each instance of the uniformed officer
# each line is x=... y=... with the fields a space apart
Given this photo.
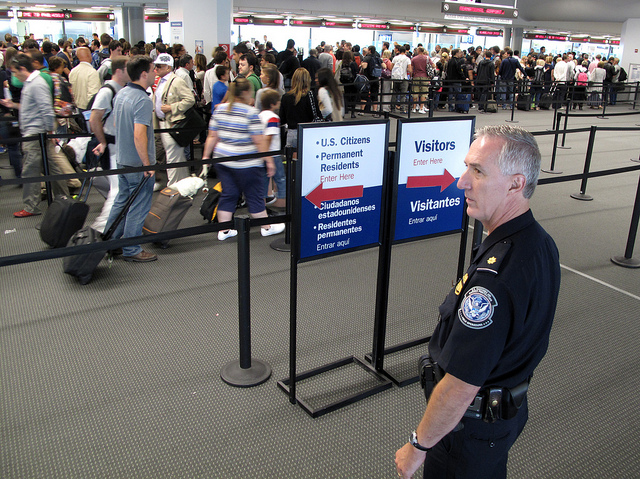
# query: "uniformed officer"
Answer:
x=494 y=325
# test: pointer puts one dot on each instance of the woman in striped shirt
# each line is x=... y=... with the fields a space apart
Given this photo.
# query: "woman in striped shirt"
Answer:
x=235 y=129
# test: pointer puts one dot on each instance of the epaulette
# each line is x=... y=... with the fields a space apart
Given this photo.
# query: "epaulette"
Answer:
x=492 y=259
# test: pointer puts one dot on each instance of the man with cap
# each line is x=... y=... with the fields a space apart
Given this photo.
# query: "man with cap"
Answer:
x=171 y=100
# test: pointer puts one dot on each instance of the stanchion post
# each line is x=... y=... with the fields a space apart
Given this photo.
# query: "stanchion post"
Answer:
x=605 y=100
x=512 y=89
x=284 y=244
x=587 y=165
x=627 y=261
x=247 y=371
x=431 y=99
x=564 y=133
x=45 y=165
x=555 y=146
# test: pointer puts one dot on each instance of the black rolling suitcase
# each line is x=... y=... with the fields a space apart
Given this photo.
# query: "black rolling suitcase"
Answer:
x=546 y=100
x=64 y=217
x=166 y=213
x=82 y=266
x=524 y=101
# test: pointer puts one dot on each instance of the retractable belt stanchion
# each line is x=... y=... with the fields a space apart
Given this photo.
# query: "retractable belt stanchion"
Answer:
x=555 y=147
x=564 y=133
x=627 y=261
x=587 y=164
x=247 y=371
x=513 y=101
x=605 y=100
x=284 y=244
x=45 y=165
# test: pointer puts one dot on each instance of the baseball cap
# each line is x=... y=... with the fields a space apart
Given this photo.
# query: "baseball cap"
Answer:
x=164 y=59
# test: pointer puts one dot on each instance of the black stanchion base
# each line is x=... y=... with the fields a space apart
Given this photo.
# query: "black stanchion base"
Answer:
x=281 y=245
x=512 y=121
x=626 y=262
x=602 y=117
x=636 y=160
x=553 y=172
x=563 y=147
x=581 y=197
x=234 y=375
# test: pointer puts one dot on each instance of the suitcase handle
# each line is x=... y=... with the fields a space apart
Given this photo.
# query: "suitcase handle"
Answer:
x=107 y=235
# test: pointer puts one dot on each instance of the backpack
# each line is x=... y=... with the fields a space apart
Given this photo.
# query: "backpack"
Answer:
x=538 y=77
x=63 y=104
x=362 y=83
x=582 y=79
x=346 y=75
x=431 y=72
x=93 y=98
x=376 y=66
x=622 y=76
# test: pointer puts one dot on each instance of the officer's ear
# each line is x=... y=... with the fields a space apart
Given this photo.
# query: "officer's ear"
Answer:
x=518 y=182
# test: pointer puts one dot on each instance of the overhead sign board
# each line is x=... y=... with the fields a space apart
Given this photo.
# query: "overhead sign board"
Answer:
x=479 y=10
x=341 y=175
x=488 y=33
x=429 y=160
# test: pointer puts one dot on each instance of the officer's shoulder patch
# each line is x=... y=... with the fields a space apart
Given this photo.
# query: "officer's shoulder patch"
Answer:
x=492 y=259
x=477 y=308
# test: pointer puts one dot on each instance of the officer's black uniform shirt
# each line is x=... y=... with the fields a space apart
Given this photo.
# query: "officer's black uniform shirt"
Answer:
x=494 y=325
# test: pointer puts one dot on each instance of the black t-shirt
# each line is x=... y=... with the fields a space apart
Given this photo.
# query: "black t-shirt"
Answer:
x=291 y=113
x=494 y=325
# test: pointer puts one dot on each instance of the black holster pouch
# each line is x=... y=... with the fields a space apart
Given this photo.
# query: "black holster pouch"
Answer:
x=429 y=373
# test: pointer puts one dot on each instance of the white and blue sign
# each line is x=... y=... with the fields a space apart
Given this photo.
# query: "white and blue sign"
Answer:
x=341 y=186
x=429 y=161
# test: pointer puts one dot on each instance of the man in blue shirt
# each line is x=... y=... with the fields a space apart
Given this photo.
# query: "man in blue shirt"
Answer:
x=135 y=146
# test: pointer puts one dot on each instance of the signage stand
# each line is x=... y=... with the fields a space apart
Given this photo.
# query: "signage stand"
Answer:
x=345 y=212
x=428 y=157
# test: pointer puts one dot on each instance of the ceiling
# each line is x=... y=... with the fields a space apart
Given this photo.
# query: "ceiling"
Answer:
x=570 y=16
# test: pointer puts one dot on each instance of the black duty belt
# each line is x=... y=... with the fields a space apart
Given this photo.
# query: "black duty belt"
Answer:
x=492 y=403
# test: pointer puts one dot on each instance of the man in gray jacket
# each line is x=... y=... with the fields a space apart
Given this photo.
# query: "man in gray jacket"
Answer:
x=36 y=116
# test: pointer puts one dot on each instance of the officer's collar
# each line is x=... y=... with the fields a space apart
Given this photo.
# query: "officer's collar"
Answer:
x=504 y=231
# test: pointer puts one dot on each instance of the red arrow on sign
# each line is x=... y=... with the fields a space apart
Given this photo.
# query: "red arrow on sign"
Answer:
x=319 y=194
x=443 y=181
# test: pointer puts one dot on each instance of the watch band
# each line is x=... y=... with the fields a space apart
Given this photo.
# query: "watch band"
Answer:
x=414 y=442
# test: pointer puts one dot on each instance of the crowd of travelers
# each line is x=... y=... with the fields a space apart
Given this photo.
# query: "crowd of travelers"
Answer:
x=246 y=95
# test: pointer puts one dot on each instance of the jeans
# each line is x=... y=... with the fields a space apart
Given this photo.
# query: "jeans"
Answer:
x=454 y=90
x=15 y=156
x=131 y=224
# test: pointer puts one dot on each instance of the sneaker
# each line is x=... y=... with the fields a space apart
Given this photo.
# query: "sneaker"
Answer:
x=423 y=110
x=2 y=150
x=141 y=257
x=414 y=110
x=229 y=234
x=24 y=214
x=275 y=229
x=157 y=186
x=269 y=200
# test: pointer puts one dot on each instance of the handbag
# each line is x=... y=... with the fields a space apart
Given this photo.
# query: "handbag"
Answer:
x=192 y=122
x=316 y=117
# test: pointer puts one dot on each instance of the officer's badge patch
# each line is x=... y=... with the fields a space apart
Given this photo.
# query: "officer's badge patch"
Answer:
x=477 y=308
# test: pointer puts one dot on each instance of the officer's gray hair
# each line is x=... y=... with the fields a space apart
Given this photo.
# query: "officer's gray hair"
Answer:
x=519 y=154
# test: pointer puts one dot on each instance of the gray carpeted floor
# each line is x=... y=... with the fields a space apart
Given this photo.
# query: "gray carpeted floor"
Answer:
x=120 y=378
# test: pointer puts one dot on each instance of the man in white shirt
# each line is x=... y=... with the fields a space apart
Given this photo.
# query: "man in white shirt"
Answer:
x=103 y=127
x=560 y=75
x=401 y=70
x=185 y=65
